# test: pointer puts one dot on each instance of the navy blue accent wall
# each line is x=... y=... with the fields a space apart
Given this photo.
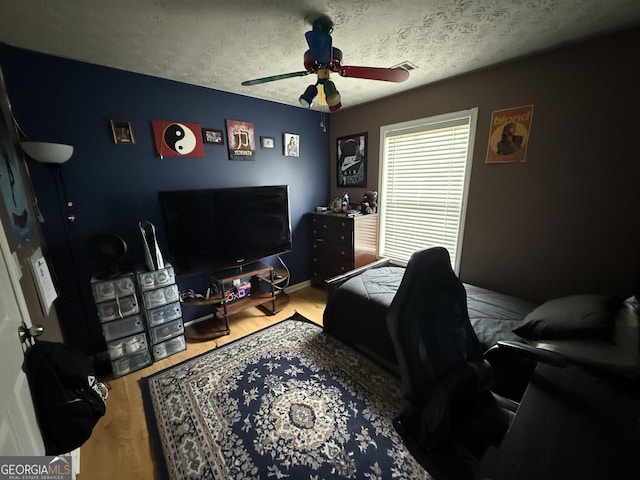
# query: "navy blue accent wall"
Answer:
x=113 y=187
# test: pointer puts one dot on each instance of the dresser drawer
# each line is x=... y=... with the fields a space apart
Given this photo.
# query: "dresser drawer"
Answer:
x=331 y=252
x=326 y=269
x=337 y=230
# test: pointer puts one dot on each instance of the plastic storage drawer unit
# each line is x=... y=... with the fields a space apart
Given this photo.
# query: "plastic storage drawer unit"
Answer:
x=167 y=331
x=170 y=347
x=118 y=308
x=130 y=363
x=122 y=328
x=127 y=345
x=110 y=289
x=160 y=315
x=155 y=279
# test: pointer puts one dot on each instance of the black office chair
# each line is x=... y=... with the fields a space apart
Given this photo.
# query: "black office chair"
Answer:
x=449 y=416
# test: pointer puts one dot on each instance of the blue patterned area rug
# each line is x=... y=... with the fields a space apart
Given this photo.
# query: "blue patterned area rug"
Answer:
x=286 y=402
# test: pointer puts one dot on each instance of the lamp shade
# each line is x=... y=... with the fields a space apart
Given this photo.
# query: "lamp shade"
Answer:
x=306 y=99
x=48 y=152
x=330 y=90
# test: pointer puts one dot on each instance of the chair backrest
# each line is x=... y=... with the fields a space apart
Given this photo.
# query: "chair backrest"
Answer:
x=438 y=351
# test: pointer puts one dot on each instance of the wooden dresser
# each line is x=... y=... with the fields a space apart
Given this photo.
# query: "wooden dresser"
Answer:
x=341 y=243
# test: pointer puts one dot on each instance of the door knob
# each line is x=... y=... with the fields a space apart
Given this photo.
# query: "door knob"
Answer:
x=26 y=334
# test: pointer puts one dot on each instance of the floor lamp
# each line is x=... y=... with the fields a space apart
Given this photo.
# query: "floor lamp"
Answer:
x=52 y=154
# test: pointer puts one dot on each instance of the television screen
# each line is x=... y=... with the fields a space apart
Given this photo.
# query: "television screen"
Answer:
x=219 y=228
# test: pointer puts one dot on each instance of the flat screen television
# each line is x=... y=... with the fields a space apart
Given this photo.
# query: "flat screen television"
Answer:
x=213 y=229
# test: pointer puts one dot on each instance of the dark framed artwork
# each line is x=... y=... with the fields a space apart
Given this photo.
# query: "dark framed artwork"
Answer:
x=212 y=136
x=240 y=138
x=351 y=165
x=122 y=132
x=267 y=142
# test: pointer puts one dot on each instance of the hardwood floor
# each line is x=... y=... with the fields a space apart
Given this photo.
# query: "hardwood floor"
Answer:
x=119 y=445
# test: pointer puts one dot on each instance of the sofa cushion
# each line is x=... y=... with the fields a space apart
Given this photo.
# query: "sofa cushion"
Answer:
x=575 y=316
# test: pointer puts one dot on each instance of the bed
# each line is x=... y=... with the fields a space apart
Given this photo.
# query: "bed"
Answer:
x=357 y=304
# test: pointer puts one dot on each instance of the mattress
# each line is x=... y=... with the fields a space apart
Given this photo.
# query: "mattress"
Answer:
x=356 y=312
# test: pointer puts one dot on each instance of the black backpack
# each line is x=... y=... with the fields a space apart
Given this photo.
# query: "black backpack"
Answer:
x=67 y=396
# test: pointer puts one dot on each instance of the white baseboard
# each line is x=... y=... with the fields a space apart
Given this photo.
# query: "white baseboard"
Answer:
x=297 y=286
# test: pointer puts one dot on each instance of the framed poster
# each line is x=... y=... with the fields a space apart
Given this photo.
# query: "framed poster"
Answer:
x=509 y=135
x=351 y=165
x=15 y=197
x=241 y=138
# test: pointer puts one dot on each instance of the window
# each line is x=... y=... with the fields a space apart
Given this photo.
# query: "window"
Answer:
x=424 y=174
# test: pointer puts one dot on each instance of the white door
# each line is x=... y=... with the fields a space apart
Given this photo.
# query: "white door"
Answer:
x=19 y=432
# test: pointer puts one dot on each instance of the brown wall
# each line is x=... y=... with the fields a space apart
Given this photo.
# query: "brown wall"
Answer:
x=566 y=220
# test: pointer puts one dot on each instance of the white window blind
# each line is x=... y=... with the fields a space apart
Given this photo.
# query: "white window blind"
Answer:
x=424 y=175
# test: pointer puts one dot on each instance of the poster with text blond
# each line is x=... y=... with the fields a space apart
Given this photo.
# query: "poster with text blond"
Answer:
x=509 y=135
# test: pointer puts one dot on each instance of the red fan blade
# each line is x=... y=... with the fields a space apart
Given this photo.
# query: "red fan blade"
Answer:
x=374 y=73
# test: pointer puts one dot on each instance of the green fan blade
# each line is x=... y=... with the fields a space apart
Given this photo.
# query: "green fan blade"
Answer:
x=273 y=78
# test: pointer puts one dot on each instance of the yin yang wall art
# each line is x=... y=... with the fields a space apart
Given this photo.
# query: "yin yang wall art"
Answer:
x=177 y=139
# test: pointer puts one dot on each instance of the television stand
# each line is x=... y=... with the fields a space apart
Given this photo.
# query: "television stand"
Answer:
x=238 y=288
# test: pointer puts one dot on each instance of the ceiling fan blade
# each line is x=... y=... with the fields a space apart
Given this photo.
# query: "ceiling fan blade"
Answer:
x=273 y=78
x=374 y=73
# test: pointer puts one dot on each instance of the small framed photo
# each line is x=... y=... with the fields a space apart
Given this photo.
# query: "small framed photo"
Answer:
x=122 y=132
x=212 y=136
x=291 y=145
x=267 y=142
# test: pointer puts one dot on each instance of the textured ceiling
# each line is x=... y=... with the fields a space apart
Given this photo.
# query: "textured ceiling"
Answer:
x=220 y=44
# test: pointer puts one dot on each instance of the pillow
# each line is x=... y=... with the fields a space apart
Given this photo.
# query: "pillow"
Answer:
x=575 y=316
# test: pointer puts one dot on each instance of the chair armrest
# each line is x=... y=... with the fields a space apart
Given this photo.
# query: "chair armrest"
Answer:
x=533 y=353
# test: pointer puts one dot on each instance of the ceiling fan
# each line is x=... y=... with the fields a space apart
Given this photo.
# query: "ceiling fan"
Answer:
x=322 y=58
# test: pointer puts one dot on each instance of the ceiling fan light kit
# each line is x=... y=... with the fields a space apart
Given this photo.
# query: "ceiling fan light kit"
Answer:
x=322 y=58
x=306 y=99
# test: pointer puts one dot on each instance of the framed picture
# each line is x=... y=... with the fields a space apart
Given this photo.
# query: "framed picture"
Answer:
x=267 y=142
x=291 y=144
x=351 y=165
x=212 y=136
x=240 y=137
x=122 y=132
x=509 y=136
